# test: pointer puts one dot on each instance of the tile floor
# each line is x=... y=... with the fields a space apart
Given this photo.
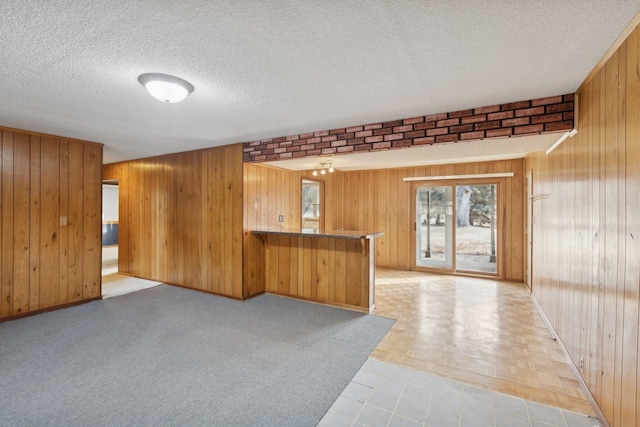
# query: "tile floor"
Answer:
x=385 y=394
x=114 y=284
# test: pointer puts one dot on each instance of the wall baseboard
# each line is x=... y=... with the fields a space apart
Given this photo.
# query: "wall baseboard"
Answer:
x=574 y=368
x=206 y=291
x=44 y=310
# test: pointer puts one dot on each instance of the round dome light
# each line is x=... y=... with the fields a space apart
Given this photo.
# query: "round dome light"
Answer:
x=165 y=88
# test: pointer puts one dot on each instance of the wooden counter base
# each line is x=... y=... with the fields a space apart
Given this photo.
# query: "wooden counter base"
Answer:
x=327 y=268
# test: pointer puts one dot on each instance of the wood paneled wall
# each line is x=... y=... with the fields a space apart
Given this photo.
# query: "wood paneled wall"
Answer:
x=332 y=270
x=379 y=200
x=180 y=219
x=269 y=192
x=586 y=236
x=44 y=264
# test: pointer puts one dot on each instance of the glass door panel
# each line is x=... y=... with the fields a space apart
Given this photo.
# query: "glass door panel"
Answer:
x=434 y=227
x=476 y=225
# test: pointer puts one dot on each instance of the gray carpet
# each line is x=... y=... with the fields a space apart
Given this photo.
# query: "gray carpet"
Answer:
x=170 y=356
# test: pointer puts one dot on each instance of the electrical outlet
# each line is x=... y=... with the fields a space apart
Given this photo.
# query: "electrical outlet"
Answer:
x=280 y=218
x=581 y=364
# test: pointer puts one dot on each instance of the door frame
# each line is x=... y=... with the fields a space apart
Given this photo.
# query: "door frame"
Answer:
x=414 y=238
x=320 y=183
x=500 y=216
x=529 y=228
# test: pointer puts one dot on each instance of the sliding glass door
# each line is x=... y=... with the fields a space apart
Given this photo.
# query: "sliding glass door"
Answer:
x=434 y=227
x=476 y=228
x=456 y=228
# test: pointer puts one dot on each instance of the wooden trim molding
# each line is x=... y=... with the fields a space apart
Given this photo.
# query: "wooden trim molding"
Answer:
x=448 y=177
x=609 y=53
x=45 y=310
x=47 y=135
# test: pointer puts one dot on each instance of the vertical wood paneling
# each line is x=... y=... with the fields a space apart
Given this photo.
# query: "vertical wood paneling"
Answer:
x=294 y=259
x=50 y=219
x=631 y=336
x=268 y=193
x=92 y=246
x=381 y=201
x=378 y=200
x=387 y=200
x=610 y=233
x=34 y=223
x=516 y=235
x=196 y=241
x=586 y=271
x=620 y=230
x=41 y=260
x=282 y=267
x=391 y=214
x=63 y=233
x=7 y=224
x=76 y=224
x=216 y=176
x=334 y=270
x=21 y=240
x=322 y=279
x=205 y=232
x=237 y=199
x=405 y=223
x=354 y=271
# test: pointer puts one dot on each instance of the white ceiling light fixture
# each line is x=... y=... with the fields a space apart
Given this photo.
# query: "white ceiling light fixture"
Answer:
x=164 y=87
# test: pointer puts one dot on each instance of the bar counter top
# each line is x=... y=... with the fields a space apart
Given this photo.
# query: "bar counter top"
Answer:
x=346 y=234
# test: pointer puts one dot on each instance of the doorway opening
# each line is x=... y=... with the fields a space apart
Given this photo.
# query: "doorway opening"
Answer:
x=110 y=195
x=114 y=283
x=312 y=204
x=457 y=227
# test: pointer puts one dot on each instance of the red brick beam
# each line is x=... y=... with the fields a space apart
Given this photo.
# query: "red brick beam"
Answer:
x=530 y=117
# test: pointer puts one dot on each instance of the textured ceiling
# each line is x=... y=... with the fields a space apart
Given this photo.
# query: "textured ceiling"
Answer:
x=263 y=69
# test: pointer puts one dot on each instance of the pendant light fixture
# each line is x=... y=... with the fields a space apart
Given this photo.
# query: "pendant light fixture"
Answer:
x=164 y=87
x=323 y=168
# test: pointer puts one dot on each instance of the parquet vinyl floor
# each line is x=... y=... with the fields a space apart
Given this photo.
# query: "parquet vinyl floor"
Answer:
x=480 y=332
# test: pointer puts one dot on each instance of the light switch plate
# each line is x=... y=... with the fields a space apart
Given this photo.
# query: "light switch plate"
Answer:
x=63 y=220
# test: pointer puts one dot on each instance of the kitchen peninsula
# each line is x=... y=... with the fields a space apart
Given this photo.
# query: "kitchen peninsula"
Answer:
x=334 y=267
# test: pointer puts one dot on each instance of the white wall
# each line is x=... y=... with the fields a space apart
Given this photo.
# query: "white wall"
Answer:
x=109 y=202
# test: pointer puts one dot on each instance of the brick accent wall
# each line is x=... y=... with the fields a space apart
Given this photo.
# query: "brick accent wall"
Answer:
x=530 y=117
